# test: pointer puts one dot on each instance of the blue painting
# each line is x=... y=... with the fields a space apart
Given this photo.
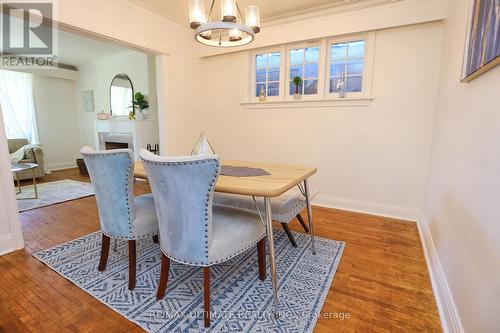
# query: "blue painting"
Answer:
x=483 y=47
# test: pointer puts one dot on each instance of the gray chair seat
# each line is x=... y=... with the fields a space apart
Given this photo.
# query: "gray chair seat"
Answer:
x=145 y=223
x=233 y=232
x=284 y=208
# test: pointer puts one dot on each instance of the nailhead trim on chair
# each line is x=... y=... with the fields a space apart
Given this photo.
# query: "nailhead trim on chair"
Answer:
x=130 y=221
x=211 y=186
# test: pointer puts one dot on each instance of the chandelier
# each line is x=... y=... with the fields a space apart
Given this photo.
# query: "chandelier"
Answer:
x=231 y=30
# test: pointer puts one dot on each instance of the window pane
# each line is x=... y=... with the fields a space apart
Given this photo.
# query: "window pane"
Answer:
x=312 y=54
x=357 y=49
x=273 y=60
x=273 y=89
x=296 y=56
x=292 y=88
x=354 y=84
x=338 y=50
x=311 y=71
x=258 y=88
x=337 y=68
x=355 y=66
x=260 y=61
x=260 y=75
x=295 y=71
x=273 y=74
x=310 y=87
x=333 y=84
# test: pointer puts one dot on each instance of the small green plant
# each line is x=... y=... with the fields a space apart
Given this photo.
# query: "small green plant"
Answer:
x=139 y=102
x=297 y=81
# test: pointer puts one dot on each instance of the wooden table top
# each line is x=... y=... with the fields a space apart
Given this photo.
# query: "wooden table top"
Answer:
x=282 y=178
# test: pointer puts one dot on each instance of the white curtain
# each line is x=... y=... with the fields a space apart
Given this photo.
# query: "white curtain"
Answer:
x=17 y=104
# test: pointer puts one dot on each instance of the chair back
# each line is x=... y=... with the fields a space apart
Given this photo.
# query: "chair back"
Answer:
x=183 y=191
x=16 y=144
x=111 y=173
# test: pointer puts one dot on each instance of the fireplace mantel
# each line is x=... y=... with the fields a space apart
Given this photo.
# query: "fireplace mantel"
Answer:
x=142 y=132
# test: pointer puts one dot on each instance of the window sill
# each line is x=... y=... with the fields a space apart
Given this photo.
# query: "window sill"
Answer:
x=321 y=103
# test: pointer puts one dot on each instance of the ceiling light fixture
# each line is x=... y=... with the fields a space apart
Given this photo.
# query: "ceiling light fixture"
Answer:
x=231 y=30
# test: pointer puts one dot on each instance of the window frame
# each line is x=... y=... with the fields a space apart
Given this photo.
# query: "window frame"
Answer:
x=253 y=73
x=303 y=97
x=323 y=95
x=366 y=85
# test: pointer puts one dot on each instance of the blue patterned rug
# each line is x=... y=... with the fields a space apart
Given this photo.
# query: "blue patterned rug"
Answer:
x=240 y=302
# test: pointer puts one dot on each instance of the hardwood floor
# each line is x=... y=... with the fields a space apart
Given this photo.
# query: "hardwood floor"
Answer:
x=382 y=283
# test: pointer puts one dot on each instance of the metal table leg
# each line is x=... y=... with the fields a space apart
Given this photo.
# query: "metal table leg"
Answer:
x=34 y=184
x=309 y=215
x=18 y=184
x=270 y=240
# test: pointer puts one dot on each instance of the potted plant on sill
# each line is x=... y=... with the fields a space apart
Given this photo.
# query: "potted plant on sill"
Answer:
x=297 y=81
x=140 y=104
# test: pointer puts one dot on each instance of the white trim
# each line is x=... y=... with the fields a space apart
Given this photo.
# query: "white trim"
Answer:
x=372 y=208
x=12 y=239
x=368 y=64
x=320 y=78
x=305 y=104
x=251 y=90
x=60 y=166
x=450 y=319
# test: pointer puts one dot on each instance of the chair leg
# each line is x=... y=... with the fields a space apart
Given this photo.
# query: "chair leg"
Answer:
x=104 y=252
x=261 y=254
x=206 y=304
x=162 y=286
x=155 y=239
x=131 y=264
x=301 y=220
x=289 y=234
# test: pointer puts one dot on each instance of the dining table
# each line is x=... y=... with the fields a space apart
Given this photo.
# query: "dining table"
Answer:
x=279 y=178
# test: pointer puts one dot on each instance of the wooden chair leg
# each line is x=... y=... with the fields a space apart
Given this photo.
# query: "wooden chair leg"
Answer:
x=131 y=264
x=289 y=234
x=104 y=252
x=261 y=254
x=301 y=220
x=165 y=267
x=206 y=290
x=155 y=239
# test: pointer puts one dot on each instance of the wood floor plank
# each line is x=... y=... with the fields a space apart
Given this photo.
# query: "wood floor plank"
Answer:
x=382 y=283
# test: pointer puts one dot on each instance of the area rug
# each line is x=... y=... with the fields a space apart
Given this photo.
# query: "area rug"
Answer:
x=53 y=193
x=240 y=302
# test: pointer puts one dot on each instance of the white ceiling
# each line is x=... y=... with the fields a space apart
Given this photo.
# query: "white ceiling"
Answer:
x=269 y=9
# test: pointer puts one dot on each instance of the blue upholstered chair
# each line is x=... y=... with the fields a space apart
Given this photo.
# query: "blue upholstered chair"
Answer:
x=191 y=231
x=121 y=214
x=284 y=208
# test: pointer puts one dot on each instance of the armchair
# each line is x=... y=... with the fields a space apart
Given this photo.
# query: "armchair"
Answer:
x=191 y=231
x=31 y=155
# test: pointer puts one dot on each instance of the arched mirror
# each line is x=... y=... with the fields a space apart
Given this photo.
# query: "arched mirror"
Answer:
x=121 y=94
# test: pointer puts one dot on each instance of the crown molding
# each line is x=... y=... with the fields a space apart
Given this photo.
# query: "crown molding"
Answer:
x=324 y=10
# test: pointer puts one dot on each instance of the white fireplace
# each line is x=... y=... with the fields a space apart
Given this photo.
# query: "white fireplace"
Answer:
x=123 y=133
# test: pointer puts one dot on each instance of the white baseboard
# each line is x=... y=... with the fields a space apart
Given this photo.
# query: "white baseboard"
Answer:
x=402 y=213
x=8 y=244
x=450 y=319
x=60 y=166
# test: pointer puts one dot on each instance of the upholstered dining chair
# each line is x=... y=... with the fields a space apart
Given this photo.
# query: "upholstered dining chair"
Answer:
x=284 y=208
x=121 y=214
x=191 y=231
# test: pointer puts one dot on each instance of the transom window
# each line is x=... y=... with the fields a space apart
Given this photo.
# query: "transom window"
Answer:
x=267 y=74
x=304 y=63
x=346 y=63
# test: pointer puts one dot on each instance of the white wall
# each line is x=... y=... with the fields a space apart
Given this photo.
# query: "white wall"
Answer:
x=373 y=158
x=97 y=74
x=57 y=118
x=461 y=217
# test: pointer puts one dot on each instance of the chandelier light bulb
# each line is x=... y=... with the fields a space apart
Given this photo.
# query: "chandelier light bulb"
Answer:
x=196 y=13
x=234 y=35
x=228 y=10
x=252 y=17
